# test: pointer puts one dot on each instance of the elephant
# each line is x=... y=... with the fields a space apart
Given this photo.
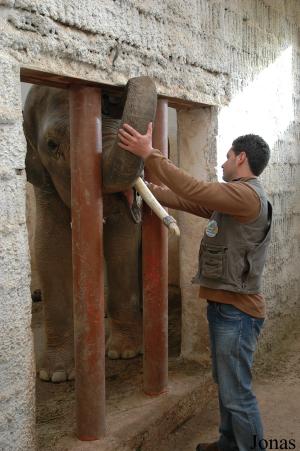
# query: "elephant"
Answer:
x=46 y=128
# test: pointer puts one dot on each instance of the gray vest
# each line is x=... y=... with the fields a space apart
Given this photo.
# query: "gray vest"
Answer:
x=232 y=255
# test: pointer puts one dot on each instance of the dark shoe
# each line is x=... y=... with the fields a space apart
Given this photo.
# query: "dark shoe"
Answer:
x=208 y=447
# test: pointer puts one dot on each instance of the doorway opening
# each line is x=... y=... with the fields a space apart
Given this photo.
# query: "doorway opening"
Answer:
x=55 y=402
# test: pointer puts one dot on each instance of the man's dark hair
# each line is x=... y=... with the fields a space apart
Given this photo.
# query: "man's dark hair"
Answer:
x=256 y=150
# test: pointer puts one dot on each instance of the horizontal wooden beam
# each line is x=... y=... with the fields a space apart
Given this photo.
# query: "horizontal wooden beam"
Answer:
x=61 y=81
x=177 y=104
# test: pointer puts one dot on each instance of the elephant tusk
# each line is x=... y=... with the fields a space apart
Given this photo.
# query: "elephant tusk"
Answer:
x=153 y=203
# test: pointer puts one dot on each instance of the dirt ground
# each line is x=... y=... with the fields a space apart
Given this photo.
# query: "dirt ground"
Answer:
x=124 y=379
x=277 y=387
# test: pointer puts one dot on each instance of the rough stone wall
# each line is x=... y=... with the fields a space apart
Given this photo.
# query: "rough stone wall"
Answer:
x=16 y=356
x=197 y=155
x=265 y=100
x=208 y=51
x=30 y=223
x=193 y=48
x=173 y=243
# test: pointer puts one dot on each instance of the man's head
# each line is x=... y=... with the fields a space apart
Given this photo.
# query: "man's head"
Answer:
x=248 y=156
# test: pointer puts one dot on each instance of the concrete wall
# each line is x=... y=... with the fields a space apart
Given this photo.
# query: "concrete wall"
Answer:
x=197 y=129
x=240 y=57
x=16 y=353
x=173 y=244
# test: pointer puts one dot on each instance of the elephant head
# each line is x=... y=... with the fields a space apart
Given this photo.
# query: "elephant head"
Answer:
x=48 y=152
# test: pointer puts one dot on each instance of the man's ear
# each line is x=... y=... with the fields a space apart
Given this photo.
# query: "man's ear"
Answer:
x=241 y=158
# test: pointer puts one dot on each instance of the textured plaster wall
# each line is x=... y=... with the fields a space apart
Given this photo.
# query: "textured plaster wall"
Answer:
x=268 y=104
x=16 y=356
x=197 y=129
x=173 y=244
x=30 y=222
x=192 y=48
x=213 y=52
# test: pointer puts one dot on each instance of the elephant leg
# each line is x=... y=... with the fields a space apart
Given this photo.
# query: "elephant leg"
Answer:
x=53 y=248
x=121 y=249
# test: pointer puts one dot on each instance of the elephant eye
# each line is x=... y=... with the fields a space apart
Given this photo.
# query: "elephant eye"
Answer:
x=52 y=145
x=54 y=149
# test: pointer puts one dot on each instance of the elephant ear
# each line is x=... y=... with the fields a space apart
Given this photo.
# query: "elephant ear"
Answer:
x=35 y=171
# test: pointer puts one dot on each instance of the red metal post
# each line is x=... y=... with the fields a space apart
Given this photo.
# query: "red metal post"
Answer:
x=87 y=228
x=155 y=279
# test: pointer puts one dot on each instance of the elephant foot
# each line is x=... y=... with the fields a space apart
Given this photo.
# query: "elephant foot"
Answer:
x=125 y=340
x=58 y=364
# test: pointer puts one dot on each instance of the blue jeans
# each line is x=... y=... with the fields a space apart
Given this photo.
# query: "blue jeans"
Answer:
x=233 y=337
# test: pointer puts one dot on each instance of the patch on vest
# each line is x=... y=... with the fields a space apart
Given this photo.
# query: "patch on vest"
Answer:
x=212 y=228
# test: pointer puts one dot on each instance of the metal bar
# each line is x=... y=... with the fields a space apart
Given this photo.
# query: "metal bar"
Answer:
x=155 y=279
x=87 y=248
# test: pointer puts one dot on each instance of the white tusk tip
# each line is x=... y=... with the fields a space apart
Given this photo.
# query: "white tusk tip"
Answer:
x=174 y=229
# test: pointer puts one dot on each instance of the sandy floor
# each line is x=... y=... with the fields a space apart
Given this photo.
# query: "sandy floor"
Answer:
x=278 y=391
x=55 y=402
x=276 y=385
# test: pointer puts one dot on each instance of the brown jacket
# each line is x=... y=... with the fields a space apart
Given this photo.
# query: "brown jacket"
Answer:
x=237 y=198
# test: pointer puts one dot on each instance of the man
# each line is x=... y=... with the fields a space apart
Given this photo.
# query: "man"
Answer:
x=231 y=260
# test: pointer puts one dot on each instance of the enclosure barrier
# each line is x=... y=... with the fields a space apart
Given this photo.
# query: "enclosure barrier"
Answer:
x=155 y=278
x=85 y=129
x=87 y=254
x=87 y=248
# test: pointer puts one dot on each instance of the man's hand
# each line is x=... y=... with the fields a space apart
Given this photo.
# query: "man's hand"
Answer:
x=134 y=142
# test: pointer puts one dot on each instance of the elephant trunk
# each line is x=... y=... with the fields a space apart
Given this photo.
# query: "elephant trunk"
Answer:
x=121 y=168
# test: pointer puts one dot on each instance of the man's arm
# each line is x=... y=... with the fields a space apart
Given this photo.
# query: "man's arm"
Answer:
x=234 y=198
x=169 y=199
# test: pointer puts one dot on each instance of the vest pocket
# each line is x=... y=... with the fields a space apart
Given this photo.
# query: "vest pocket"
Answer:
x=213 y=261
